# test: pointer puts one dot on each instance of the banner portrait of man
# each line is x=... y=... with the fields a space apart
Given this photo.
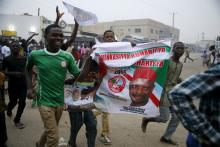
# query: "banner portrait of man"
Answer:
x=141 y=86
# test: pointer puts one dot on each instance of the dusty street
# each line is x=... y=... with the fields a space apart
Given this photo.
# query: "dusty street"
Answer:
x=125 y=129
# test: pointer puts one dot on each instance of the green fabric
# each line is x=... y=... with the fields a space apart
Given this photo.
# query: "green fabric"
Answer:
x=51 y=71
x=173 y=74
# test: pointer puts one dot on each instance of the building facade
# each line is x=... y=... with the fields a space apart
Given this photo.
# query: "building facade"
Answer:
x=23 y=26
x=147 y=29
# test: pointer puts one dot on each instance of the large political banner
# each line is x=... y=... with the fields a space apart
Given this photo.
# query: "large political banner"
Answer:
x=134 y=77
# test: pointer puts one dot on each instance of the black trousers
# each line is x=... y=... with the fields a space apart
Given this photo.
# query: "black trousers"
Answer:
x=17 y=95
x=3 y=130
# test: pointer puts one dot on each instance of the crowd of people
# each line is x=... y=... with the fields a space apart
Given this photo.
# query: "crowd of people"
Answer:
x=52 y=63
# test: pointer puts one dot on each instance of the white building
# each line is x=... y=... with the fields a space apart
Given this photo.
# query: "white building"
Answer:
x=20 y=25
x=25 y=25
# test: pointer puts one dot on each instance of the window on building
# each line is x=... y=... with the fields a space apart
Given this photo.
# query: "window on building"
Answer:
x=137 y=30
x=161 y=32
x=129 y=30
x=152 y=31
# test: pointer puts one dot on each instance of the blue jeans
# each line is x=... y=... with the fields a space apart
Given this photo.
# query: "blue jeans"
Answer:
x=191 y=141
x=164 y=117
x=173 y=124
x=76 y=120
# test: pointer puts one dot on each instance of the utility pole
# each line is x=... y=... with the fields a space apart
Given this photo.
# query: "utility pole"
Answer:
x=173 y=20
x=203 y=36
x=38 y=12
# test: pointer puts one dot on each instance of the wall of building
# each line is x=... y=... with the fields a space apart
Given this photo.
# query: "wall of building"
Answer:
x=147 y=28
x=23 y=25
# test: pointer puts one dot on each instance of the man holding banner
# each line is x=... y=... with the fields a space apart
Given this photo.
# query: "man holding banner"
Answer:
x=108 y=36
x=173 y=77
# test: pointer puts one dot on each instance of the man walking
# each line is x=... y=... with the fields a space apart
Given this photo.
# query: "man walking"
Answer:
x=52 y=64
x=173 y=77
x=14 y=67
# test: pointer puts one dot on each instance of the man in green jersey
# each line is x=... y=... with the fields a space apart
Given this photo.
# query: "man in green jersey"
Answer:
x=52 y=64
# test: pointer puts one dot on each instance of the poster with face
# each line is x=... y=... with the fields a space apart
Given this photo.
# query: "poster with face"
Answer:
x=135 y=77
x=80 y=93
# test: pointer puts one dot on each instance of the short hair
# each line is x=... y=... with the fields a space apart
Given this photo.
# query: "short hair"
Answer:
x=49 y=27
x=212 y=48
x=179 y=44
x=108 y=31
x=14 y=42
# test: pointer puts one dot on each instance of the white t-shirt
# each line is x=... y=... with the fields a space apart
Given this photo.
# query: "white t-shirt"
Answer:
x=6 y=51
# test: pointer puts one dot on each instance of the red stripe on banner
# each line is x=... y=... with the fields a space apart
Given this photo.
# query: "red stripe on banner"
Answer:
x=154 y=100
x=127 y=76
x=102 y=67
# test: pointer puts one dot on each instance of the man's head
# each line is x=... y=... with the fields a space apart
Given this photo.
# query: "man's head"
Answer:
x=178 y=49
x=54 y=37
x=15 y=48
x=109 y=36
x=141 y=86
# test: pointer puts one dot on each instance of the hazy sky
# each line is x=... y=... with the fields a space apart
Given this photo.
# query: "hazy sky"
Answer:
x=192 y=17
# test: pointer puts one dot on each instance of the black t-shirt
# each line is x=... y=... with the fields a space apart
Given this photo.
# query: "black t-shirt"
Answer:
x=15 y=64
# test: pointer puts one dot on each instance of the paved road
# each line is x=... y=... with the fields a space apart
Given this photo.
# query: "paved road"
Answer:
x=125 y=129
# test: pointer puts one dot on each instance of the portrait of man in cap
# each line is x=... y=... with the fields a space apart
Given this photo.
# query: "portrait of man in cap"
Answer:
x=141 y=86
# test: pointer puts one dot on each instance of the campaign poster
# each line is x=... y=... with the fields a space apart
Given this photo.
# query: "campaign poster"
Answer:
x=134 y=77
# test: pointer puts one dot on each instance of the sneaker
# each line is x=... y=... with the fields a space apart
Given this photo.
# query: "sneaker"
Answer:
x=144 y=123
x=9 y=113
x=168 y=141
x=105 y=140
x=19 y=125
x=62 y=142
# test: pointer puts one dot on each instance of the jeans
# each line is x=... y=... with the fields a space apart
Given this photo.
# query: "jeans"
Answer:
x=191 y=141
x=77 y=118
x=173 y=124
x=50 y=117
x=164 y=117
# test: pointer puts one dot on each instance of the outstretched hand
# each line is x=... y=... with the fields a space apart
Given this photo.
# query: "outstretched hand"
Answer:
x=76 y=23
x=59 y=15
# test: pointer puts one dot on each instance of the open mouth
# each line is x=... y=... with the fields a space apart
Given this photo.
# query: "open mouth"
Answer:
x=58 y=43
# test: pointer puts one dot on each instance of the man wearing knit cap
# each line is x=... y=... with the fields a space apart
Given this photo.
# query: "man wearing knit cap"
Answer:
x=141 y=86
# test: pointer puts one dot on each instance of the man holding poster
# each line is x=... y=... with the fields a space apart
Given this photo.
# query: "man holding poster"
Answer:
x=173 y=77
x=141 y=86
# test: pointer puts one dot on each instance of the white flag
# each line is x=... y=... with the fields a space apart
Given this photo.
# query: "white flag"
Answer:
x=84 y=18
